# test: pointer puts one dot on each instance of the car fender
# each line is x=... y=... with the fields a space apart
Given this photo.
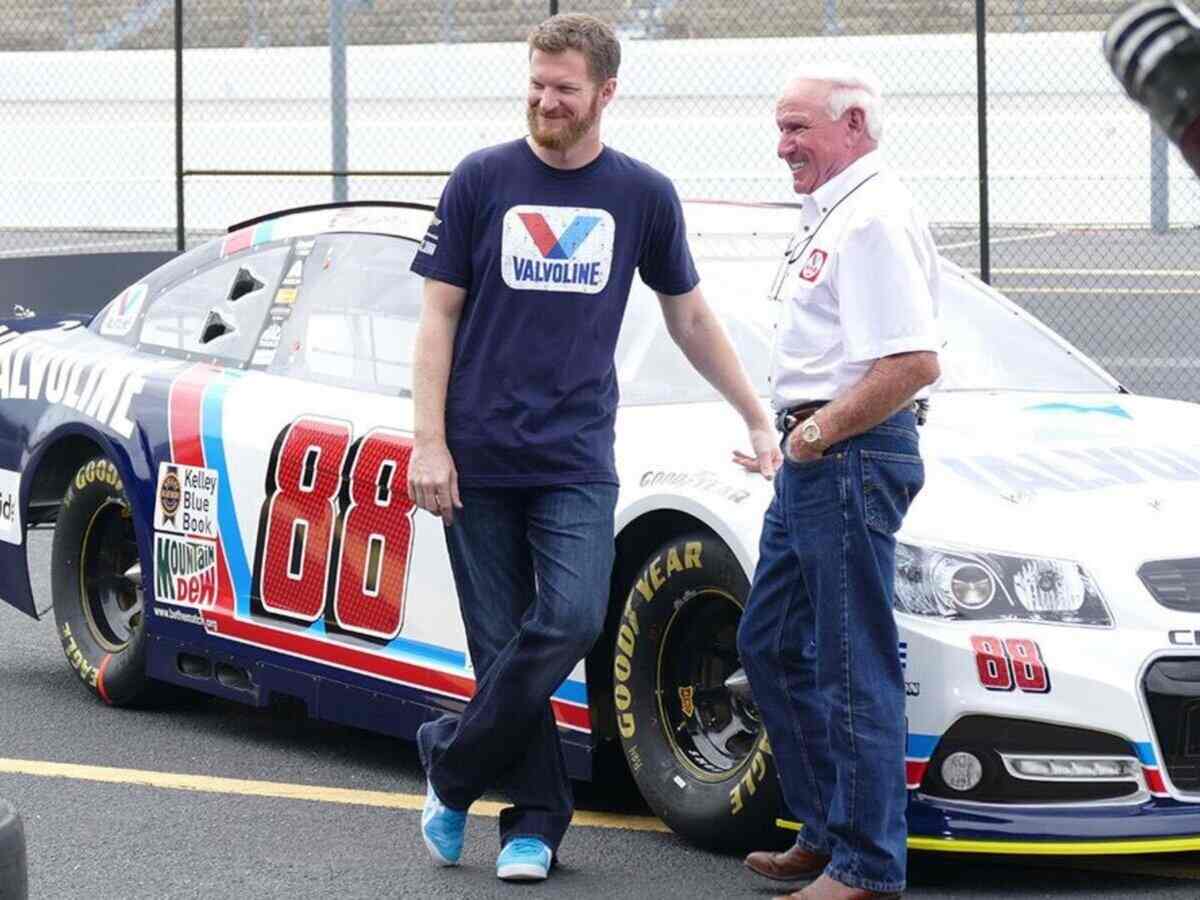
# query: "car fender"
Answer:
x=739 y=532
x=15 y=586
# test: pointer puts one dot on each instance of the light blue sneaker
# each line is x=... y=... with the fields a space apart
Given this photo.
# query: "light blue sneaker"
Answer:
x=442 y=828
x=524 y=859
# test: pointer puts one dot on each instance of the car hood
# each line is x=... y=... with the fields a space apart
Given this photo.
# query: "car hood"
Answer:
x=1081 y=476
x=1072 y=475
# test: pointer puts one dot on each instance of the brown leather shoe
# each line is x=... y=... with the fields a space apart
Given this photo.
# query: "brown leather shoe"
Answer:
x=826 y=888
x=794 y=864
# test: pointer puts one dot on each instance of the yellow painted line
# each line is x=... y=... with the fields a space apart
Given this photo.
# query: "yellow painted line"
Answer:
x=208 y=784
x=1048 y=848
x=1057 y=848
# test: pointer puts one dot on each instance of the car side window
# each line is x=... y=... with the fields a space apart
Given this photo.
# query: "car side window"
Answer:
x=355 y=319
x=217 y=313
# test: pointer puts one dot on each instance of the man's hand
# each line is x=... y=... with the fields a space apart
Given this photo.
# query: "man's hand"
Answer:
x=433 y=480
x=799 y=450
x=766 y=458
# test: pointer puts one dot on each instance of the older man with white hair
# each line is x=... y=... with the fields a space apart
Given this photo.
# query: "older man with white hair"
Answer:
x=855 y=349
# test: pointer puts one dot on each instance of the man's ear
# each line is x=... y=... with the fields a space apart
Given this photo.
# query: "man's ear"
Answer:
x=856 y=121
x=608 y=90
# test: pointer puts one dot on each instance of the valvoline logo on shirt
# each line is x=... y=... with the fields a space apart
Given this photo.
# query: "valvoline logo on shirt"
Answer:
x=557 y=248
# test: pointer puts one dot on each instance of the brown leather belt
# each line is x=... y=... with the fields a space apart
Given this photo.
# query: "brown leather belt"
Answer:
x=787 y=419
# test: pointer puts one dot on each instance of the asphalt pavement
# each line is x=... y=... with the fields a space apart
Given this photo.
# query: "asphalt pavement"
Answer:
x=205 y=798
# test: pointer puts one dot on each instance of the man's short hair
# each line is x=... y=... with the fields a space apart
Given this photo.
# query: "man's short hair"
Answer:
x=587 y=34
x=850 y=86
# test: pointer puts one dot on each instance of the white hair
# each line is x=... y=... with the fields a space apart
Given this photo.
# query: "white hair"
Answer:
x=849 y=87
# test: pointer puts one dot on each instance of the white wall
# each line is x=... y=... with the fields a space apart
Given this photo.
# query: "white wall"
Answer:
x=88 y=137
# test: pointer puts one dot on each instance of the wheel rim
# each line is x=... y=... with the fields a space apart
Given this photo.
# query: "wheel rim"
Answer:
x=109 y=577
x=711 y=731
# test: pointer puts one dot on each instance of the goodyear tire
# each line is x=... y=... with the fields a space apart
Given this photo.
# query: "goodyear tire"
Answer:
x=698 y=753
x=13 y=879
x=97 y=586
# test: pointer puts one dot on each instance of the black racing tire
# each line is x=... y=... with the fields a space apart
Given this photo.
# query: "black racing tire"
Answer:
x=14 y=884
x=697 y=752
x=97 y=587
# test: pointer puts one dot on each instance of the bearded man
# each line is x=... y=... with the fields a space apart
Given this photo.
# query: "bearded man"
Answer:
x=527 y=264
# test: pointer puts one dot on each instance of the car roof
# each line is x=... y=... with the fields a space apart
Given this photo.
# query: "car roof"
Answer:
x=408 y=220
x=411 y=220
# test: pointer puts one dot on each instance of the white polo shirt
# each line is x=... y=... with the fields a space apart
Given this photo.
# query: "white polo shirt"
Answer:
x=859 y=282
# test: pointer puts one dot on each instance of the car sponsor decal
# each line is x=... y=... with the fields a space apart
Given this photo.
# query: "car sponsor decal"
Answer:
x=813 y=265
x=185 y=570
x=557 y=248
x=705 y=481
x=911 y=688
x=99 y=389
x=195 y=418
x=123 y=312
x=10 y=507
x=1109 y=409
x=1081 y=469
x=186 y=501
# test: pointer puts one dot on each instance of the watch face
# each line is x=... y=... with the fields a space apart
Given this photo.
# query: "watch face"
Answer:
x=811 y=432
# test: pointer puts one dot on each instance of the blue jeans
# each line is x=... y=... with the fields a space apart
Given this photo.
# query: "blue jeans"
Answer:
x=820 y=647
x=532 y=567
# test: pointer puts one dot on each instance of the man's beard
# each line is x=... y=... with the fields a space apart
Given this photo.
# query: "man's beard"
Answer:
x=566 y=137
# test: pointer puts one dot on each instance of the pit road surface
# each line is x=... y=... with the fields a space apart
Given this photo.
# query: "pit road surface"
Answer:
x=211 y=799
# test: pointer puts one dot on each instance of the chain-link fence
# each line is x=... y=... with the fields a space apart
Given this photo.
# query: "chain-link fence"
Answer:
x=1085 y=216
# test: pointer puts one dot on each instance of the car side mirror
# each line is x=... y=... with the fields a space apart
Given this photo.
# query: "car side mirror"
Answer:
x=244 y=283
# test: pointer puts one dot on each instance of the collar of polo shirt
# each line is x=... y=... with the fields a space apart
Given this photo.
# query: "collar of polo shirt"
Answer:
x=820 y=201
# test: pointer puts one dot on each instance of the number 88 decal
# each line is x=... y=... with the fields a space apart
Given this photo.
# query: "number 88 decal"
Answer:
x=310 y=552
x=1003 y=664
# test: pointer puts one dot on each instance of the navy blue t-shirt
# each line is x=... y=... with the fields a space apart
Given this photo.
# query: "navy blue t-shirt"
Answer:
x=547 y=257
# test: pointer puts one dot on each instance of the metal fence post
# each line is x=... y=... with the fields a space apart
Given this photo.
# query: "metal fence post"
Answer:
x=985 y=251
x=69 y=16
x=180 y=237
x=832 y=25
x=1160 y=184
x=1022 y=17
x=337 y=96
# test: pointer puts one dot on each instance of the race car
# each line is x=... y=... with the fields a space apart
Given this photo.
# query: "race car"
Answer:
x=222 y=453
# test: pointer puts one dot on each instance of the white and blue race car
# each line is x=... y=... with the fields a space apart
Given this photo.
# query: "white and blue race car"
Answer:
x=222 y=452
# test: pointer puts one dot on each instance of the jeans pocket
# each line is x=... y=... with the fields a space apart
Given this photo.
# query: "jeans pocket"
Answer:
x=890 y=482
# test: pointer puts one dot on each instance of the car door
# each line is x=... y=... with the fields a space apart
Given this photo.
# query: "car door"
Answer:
x=322 y=557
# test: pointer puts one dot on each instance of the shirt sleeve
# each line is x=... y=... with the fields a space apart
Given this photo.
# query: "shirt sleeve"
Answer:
x=884 y=297
x=445 y=252
x=666 y=264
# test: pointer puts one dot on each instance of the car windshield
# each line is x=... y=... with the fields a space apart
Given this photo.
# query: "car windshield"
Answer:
x=988 y=342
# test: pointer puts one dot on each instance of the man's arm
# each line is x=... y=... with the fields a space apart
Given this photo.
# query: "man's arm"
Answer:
x=432 y=478
x=698 y=332
x=890 y=383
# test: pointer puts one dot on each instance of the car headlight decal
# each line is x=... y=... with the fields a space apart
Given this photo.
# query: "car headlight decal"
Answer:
x=1048 y=585
x=914 y=589
x=952 y=584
